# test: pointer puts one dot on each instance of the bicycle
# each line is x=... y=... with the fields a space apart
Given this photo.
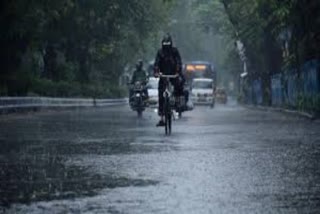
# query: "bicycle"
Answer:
x=169 y=102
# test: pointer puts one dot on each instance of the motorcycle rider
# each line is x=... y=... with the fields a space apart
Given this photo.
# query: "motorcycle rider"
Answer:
x=139 y=74
x=168 y=61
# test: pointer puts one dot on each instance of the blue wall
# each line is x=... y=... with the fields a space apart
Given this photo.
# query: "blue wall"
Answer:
x=285 y=86
x=310 y=78
x=257 y=91
x=276 y=90
x=290 y=89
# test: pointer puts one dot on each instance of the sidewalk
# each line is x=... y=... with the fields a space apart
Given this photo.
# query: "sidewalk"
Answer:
x=31 y=104
x=286 y=111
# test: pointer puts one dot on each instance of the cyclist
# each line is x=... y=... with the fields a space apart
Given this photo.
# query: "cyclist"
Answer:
x=168 y=61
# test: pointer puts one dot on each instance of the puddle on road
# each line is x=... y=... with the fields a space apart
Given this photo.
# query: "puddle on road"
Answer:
x=44 y=178
x=102 y=146
x=108 y=148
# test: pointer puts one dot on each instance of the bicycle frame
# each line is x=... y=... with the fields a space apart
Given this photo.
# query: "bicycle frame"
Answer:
x=168 y=77
x=167 y=95
x=169 y=88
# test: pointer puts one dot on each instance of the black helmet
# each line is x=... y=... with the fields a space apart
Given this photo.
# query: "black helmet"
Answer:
x=167 y=41
x=139 y=64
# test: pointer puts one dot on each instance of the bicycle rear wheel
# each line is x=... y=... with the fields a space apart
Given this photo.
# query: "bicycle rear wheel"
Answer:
x=169 y=122
x=179 y=106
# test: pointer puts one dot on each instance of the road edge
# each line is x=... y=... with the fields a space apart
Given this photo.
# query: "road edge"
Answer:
x=306 y=115
x=11 y=105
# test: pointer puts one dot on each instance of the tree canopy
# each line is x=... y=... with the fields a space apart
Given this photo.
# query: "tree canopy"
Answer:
x=276 y=34
x=79 y=47
x=73 y=41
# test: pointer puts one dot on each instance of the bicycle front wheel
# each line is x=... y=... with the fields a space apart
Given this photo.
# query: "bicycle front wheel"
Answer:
x=167 y=115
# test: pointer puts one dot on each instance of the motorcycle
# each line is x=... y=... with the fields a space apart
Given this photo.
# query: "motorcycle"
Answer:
x=138 y=99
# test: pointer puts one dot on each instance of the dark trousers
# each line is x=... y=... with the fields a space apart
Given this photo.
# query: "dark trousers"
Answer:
x=178 y=91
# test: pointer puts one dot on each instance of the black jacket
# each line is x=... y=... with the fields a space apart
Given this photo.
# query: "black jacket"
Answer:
x=168 y=61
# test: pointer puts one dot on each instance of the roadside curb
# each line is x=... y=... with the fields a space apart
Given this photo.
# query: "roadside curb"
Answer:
x=283 y=110
x=9 y=105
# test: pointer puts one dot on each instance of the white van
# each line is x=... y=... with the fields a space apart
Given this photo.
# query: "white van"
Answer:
x=203 y=91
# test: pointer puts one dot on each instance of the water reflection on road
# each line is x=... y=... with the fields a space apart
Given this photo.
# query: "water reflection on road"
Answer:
x=225 y=160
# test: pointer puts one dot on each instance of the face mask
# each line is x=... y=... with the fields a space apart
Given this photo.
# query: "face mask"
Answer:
x=166 y=47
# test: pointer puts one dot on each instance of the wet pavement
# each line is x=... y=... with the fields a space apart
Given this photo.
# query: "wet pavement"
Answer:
x=224 y=160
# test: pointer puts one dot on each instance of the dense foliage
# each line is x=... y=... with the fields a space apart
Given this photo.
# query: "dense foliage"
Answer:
x=80 y=48
x=73 y=47
x=276 y=34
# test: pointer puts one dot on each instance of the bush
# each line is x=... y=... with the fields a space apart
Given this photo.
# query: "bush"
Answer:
x=240 y=98
x=3 y=91
x=66 y=72
x=103 y=91
x=45 y=87
x=309 y=103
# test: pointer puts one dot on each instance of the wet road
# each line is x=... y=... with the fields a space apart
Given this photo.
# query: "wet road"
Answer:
x=226 y=160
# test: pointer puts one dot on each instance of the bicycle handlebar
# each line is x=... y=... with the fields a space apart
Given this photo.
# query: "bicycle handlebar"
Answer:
x=168 y=76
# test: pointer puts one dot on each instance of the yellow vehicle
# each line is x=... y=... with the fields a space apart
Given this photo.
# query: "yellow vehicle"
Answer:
x=221 y=95
x=199 y=69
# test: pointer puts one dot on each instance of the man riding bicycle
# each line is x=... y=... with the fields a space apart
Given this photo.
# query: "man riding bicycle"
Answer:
x=168 y=62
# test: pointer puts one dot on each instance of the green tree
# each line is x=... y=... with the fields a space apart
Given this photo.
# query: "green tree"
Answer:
x=85 y=42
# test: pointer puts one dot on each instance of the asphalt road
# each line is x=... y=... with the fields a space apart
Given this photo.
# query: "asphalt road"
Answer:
x=224 y=160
